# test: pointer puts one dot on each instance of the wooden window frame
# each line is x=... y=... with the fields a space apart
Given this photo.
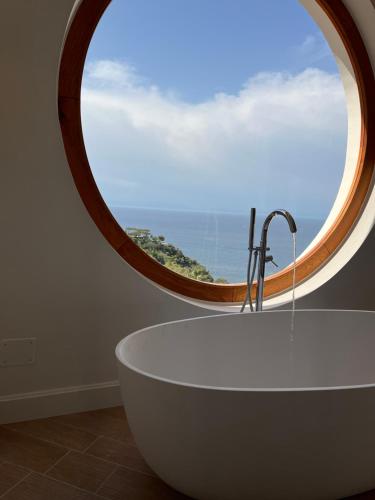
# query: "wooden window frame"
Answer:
x=72 y=63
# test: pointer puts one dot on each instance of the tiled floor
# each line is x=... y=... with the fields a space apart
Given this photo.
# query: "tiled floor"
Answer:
x=85 y=456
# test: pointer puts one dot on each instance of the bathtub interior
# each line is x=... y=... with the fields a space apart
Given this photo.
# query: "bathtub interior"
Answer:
x=258 y=351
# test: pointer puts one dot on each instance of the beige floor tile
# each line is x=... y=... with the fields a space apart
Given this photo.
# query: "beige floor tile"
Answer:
x=100 y=423
x=125 y=454
x=28 y=451
x=81 y=470
x=132 y=485
x=36 y=487
x=10 y=475
x=56 y=432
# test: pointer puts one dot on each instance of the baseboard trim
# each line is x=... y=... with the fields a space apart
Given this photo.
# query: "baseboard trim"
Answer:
x=59 y=401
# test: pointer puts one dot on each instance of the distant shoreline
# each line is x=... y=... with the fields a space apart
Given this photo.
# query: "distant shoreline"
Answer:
x=218 y=240
x=206 y=212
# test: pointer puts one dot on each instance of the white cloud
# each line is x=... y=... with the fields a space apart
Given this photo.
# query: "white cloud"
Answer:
x=313 y=49
x=118 y=74
x=275 y=140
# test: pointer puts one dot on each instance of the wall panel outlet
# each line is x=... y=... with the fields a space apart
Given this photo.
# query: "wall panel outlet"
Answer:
x=17 y=352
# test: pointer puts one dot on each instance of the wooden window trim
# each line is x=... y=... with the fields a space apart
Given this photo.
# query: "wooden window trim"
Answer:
x=72 y=62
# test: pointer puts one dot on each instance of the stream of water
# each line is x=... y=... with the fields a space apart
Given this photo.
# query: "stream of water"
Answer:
x=291 y=335
x=293 y=286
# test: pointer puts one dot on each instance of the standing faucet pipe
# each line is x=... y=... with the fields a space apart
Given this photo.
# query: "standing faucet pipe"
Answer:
x=249 y=274
x=263 y=258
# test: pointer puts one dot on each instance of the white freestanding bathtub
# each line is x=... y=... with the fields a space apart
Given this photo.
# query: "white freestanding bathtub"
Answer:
x=236 y=407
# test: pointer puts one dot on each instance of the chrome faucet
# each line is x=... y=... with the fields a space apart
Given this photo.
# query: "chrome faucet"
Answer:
x=261 y=251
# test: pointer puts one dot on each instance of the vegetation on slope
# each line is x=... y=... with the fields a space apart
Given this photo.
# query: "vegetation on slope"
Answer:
x=170 y=256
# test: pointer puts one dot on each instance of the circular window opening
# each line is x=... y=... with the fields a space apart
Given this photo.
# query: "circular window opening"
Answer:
x=190 y=119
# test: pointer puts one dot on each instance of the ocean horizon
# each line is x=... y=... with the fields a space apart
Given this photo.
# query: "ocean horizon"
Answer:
x=219 y=240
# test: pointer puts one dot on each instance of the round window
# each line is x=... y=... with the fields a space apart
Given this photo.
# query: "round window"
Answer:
x=191 y=114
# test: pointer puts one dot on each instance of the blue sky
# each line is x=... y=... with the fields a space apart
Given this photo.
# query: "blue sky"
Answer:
x=201 y=47
x=213 y=105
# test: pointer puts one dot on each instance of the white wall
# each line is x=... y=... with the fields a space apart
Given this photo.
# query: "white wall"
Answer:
x=60 y=280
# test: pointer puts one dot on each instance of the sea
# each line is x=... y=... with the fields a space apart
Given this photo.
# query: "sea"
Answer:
x=219 y=240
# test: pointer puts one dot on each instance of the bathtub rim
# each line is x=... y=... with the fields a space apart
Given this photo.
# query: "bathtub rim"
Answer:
x=130 y=366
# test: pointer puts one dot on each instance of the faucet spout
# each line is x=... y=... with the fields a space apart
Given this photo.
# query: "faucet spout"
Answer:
x=283 y=213
x=263 y=258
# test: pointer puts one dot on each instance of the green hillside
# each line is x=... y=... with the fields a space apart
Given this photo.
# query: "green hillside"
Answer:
x=170 y=256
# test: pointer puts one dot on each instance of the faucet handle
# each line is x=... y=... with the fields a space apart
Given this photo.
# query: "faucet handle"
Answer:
x=269 y=258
